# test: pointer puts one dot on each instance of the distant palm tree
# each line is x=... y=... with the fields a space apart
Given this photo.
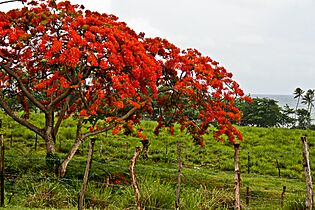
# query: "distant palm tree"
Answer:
x=309 y=99
x=298 y=94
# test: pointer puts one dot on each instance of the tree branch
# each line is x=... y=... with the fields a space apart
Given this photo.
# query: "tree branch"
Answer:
x=82 y=97
x=165 y=89
x=60 y=98
x=8 y=1
x=61 y=115
x=20 y=120
x=111 y=126
x=23 y=88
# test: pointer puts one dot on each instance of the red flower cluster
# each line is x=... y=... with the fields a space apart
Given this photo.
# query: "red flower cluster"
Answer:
x=59 y=56
x=195 y=92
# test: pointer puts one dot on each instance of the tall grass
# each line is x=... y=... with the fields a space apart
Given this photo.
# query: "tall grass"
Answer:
x=207 y=174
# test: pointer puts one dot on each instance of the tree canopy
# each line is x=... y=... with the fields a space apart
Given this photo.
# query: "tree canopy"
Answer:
x=66 y=61
x=195 y=91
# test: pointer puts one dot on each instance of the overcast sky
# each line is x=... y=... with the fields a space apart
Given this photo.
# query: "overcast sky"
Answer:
x=269 y=45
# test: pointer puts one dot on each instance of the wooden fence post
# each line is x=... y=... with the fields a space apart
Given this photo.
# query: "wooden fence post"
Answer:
x=179 y=177
x=134 y=179
x=219 y=159
x=307 y=172
x=36 y=138
x=101 y=150
x=237 y=177
x=145 y=148
x=248 y=163
x=86 y=174
x=11 y=138
x=282 y=196
x=278 y=167
x=166 y=152
x=247 y=196
x=127 y=148
x=2 y=171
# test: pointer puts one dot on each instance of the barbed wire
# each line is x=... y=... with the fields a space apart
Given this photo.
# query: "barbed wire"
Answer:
x=252 y=150
x=252 y=201
x=7 y=175
x=172 y=167
x=217 y=184
x=101 y=200
x=189 y=168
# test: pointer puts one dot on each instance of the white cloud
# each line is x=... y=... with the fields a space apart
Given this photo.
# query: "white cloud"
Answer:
x=102 y=6
x=252 y=39
x=258 y=40
x=9 y=6
x=143 y=25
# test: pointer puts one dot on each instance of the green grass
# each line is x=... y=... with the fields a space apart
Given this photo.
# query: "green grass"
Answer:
x=208 y=174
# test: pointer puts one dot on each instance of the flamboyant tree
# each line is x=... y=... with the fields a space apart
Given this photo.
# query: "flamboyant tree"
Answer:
x=195 y=92
x=64 y=60
x=67 y=61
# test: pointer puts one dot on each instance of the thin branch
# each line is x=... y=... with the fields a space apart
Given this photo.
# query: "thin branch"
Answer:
x=86 y=135
x=23 y=88
x=60 y=98
x=111 y=126
x=82 y=97
x=18 y=119
x=8 y=1
x=61 y=115
x=165 y=89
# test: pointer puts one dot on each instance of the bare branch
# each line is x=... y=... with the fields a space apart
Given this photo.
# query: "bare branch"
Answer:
x=60 y=98
x=23 y=88
x=111 y=126
x=61 y=115
x=82 y=97
x=18 y=119
x=165 y=89
x=8 y=1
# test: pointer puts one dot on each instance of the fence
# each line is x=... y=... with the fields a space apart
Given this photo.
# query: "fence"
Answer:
x=45 y=184
x=267 y=179
x=251 y=193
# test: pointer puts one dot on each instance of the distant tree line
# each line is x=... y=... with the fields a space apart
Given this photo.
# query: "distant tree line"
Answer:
x=266 y=112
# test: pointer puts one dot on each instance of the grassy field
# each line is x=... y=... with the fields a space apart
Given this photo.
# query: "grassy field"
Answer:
x=208 y=174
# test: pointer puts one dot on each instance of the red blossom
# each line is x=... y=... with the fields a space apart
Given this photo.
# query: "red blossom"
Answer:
x=103 y=69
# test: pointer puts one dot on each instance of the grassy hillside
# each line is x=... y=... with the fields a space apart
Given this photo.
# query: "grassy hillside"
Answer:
x=208 y=174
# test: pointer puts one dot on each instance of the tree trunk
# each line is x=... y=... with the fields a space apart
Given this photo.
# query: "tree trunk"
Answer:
x=80 y=137
x=134 y=179
x=2 y=171
x=86 y=174
x=74 y=148
x=63 y=166
x=50 y=142
x=49 y=133
x=237 y=176
x=308 y=175
x=52 y=159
